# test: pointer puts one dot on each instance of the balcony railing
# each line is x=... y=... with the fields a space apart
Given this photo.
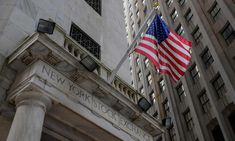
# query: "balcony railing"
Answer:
x=78 y=52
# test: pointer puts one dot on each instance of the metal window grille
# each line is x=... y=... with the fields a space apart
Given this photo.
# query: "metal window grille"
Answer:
x=85 y=41
x=95 y=4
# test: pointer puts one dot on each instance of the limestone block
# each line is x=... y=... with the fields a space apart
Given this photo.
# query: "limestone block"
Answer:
x=7 y=46
x=23 y=21
x=5 y=11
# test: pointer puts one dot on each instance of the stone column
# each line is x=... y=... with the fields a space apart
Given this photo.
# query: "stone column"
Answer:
x=28 y=121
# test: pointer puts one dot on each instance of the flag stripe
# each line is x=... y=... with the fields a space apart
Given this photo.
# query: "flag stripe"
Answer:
x=143 y=52
x=164 y=58
x=150 y=48
x=170 y=68
x=173 y=58
x=186 y=44
x=147 y=38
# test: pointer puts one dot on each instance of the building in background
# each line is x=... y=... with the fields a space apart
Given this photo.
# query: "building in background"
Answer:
x=201 y=104
x=47 y=94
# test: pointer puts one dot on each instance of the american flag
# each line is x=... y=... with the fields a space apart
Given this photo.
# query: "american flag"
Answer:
x=168 y=51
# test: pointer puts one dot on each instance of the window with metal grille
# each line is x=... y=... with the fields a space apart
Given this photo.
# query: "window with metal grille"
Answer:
x=219 y=86
x=197 y=34
x=215 y=11
x=172 y=133
x=180 y=30
x=188 y=16
x=84 y=40
x=166 y=108
x=188 y=120
x=174 y=15
x=205 y=103
x=228 y=33
x=95 y=4
x=207 y=58
x=180 y=92
x=194 y=72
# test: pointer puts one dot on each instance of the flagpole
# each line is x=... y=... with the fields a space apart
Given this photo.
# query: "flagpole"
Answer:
x=114 y=71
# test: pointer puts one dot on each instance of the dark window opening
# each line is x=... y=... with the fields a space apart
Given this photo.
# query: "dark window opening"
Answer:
x=86 y=41
x=207 y=58
x=228 y=33
x=219 y=86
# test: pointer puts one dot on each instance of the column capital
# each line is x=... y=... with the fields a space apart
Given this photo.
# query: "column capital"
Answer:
x=33 y=98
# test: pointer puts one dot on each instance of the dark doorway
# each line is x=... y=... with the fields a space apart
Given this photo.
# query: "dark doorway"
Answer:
x=217 y=133
x=46 y=137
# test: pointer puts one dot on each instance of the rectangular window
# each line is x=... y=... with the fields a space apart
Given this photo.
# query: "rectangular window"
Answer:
x=204 y=102
x=145 y=10
x=188 y=16
x=136 y=4
x=140 y=75
x=150 y=80
x=174 y=15
x=219 y=86
x=146 y=62
x=180 y=30
x=138 y=61
x=172 y=133
x=162 y=85
x=196 y=34
x=166 y=108
x=152 y=97
x=169 y=2
x=95 y=4
x=181 y=2
x=142 y=90
x=138 y=13
x=180 y=92
x=188 y=120
x=207 y=58
x=84 y=40
x=214 y=11
x=194 y=72
x=228 y=33
x=139 y=23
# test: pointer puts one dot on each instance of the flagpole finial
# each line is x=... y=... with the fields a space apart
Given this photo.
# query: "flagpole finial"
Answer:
x=156 y=4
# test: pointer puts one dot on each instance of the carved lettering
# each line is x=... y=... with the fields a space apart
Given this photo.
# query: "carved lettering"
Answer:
x=44 y=69
x=60 y=80
x=94 y=104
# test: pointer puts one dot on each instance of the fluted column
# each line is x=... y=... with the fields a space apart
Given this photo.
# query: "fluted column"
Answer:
x=28 y=121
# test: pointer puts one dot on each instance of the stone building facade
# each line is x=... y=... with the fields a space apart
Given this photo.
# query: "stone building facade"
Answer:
x=201 y=104
x=46 y=94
